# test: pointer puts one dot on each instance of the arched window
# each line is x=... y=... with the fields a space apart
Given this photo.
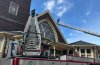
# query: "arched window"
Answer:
x=47 y=31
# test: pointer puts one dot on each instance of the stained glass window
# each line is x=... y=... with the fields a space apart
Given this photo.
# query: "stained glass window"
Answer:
x=47 y=31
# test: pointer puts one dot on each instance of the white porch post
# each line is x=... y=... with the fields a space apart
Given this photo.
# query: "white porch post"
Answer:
x=95 y=52
x=54 y=51
x=68 y=52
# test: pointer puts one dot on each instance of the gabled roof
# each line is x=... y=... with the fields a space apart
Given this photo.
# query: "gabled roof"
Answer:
x=82 y=43
x=48 y=15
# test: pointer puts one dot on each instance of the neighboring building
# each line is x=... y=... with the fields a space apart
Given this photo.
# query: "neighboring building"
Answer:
x=14 y=14
x=84 y=49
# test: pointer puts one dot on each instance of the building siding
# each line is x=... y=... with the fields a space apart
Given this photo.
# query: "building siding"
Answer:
x=19 y=21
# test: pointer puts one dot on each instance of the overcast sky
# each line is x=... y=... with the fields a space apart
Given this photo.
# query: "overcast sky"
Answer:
x=84 y=14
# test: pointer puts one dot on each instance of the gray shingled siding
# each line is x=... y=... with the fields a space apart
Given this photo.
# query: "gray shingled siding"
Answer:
x=22 y=16
x=81 y=43
x=9 y=25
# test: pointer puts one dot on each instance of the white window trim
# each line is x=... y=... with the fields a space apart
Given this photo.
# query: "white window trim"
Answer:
x=85 y=52
x=10 y=8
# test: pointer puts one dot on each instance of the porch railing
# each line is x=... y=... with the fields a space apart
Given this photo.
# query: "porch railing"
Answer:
x=81 y=59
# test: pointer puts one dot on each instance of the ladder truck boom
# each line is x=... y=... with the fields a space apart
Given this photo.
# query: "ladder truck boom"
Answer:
x=81 y=30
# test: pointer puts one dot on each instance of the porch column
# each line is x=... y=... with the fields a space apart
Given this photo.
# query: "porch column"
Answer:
x=76 y=53
x=75 y=49
x=68 y=52
x=95 y=52
x=54 y=51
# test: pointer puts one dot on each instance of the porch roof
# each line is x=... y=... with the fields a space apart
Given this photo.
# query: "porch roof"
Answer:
x=59 y=46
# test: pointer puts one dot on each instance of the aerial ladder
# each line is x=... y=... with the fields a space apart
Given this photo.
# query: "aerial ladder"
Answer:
x=81 y=30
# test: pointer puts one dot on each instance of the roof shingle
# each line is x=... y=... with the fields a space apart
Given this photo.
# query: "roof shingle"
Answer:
x=82 y=43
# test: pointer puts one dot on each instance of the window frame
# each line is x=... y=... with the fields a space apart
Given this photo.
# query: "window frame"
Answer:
x=51 y=25
x=82 y=52
x=43 y=30
x=16 y=7
x=87 y=51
